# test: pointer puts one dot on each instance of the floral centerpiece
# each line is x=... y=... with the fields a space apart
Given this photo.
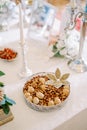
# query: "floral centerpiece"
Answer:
x=65 y=45
x=5 y=102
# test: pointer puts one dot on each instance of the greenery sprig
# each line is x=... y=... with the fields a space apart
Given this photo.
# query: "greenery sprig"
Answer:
x=5 y=102
x=57 y=51
x=1 y=74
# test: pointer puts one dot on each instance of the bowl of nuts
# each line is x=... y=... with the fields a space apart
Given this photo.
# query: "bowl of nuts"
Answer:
x=46 y=91
x=8 y=54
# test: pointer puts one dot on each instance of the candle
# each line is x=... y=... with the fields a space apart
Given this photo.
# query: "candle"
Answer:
x=21 y=24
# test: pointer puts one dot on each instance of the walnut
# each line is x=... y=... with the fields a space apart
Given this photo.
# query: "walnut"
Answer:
x=43 y=87
x=40 y=95
x=65 y=92
x=42 y=80
x=30 y=89
x=66 y=87
x=29 y=98
x=51 y=103
x=27 y=94
x=57 y=100
x=35 y=100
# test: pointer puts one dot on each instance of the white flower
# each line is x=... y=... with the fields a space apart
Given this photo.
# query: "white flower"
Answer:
x=60 y=44
x=68 y=44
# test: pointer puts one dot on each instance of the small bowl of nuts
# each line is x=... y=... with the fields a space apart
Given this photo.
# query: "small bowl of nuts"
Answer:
x=8 y=54
x=46 y=91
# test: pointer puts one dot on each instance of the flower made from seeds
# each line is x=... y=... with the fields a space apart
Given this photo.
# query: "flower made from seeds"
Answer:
x=57 y=79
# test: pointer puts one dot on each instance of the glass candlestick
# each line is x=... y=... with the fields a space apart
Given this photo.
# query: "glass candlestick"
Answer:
x=25 y=70
x=79 y=64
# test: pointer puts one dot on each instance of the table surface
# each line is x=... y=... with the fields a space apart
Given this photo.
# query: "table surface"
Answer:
x=39 y=60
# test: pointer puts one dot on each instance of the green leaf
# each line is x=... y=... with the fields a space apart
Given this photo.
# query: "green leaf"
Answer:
x=54 y=49
x=10 y=101
x=5 y=108
x=1 y=84
x=57 y=54
x=2 y=102
x=62 y=48
x=2 y=73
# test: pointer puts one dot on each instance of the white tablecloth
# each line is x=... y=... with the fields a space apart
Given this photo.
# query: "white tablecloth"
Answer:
x=26 y=118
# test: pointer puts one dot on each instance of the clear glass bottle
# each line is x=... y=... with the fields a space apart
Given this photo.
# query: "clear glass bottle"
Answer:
x=42 y=18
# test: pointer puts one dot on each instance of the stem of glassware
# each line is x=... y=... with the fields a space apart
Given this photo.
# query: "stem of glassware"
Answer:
x=82 y=38
x=24 y=58
x=25 y=72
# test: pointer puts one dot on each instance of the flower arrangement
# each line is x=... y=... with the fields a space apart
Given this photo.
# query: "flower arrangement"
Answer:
x=66 y=45
x=5 y=102
x=59 y=49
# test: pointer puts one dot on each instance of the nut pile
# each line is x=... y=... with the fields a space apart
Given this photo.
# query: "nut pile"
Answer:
x=7 y=54
x=38 y=92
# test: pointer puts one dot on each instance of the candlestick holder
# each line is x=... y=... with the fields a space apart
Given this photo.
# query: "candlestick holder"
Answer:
x=25 y=72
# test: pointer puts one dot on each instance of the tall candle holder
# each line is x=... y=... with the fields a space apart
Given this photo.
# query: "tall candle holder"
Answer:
x=78 y=64
x=25 y=70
